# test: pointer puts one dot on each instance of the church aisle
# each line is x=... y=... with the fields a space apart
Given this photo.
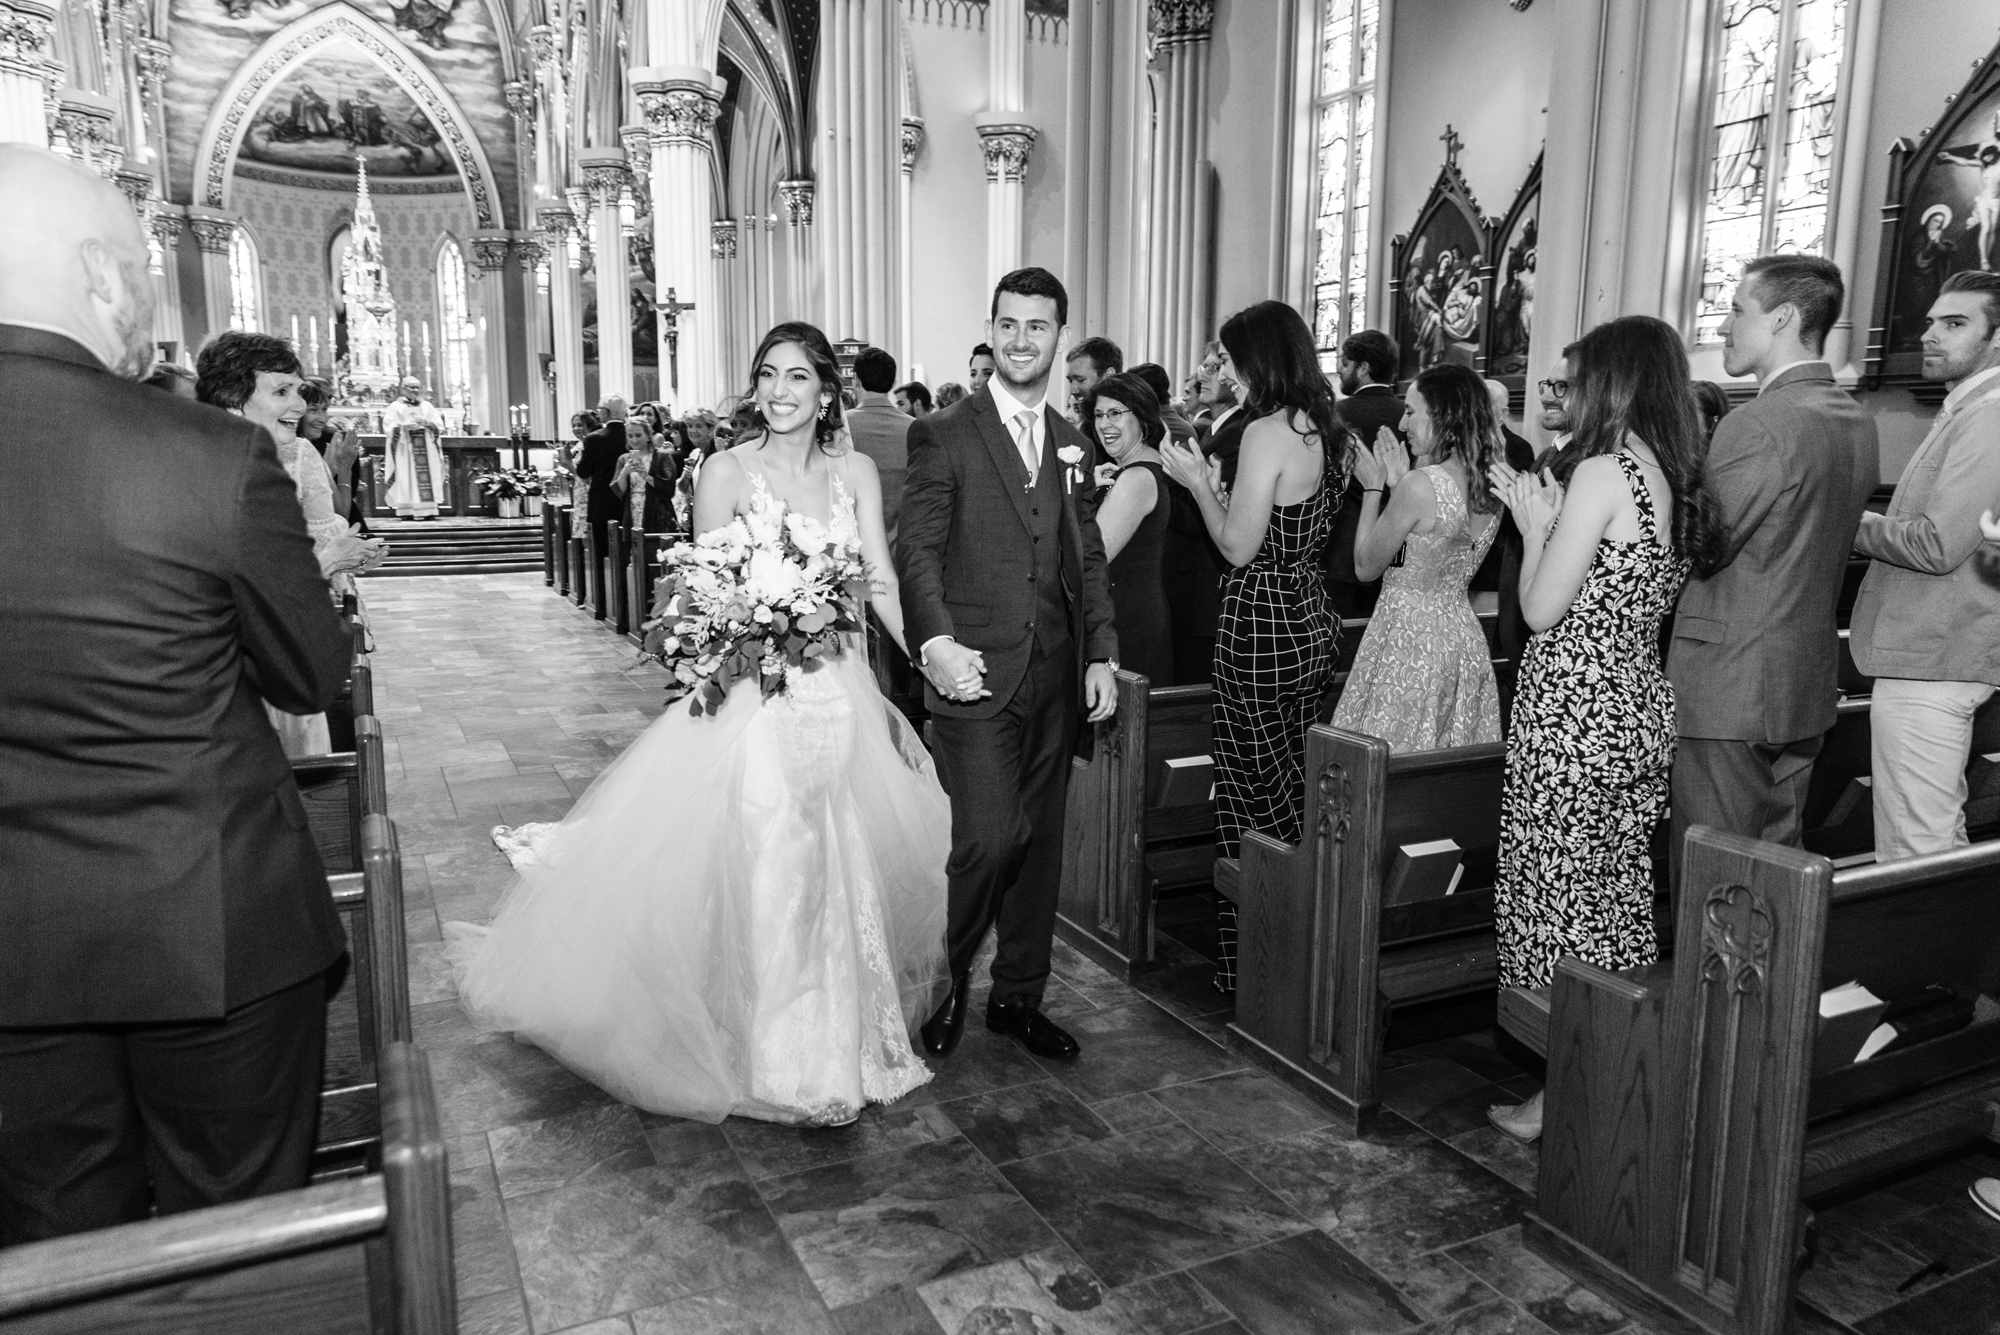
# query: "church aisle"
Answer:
x=1156 y=1185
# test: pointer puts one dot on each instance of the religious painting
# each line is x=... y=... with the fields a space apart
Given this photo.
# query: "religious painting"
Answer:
x=1943 y=216
x=338 y=106
x=1512 y=320
x=1440 y=276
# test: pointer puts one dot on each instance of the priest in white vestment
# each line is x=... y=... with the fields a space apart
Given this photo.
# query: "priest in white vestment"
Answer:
x=416 y=462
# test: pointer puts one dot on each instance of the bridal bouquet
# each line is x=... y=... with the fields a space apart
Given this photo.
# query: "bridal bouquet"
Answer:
x=766 y=595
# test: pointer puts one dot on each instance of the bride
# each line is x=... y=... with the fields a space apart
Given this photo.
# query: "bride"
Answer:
x=746 y=913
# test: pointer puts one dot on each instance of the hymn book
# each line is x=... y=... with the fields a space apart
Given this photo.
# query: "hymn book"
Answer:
x=1848 y=1015
x=1423 y=871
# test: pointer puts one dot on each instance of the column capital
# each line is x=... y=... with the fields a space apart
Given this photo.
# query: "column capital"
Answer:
x=913 y=140
x=542 y=45
x=489 y=251
x=27 y=37
x=681 y=105
x=722 y=239
x=1007 y=145
x=154 y=58
x=1182 y=20
x=213 y=231
x=798 y=197
x=606 y=174
x=520 y=97
x=165 y=225
x=533 y=253
x=83 y=122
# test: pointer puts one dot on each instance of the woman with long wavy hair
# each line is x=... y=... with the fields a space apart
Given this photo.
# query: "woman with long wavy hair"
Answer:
x=1610 y=531
x=745 y=915
x=1422 y=678
x=1274 y=646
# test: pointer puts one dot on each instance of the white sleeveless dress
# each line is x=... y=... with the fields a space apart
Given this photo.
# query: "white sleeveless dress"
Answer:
x=745 y=914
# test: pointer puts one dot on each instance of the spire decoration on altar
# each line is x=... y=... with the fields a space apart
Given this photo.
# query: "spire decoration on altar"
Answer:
x=371 y=311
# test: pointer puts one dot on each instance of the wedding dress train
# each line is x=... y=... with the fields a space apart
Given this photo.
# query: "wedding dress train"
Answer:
x=745 y=914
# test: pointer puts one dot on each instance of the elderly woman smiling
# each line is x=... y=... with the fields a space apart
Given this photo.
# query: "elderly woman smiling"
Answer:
x=1122 y=415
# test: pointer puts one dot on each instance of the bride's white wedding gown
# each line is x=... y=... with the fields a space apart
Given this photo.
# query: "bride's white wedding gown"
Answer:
x=745 y=914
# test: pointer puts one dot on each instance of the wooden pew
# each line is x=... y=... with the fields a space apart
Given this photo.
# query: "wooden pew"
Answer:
x=617 y=588
x=372 y=760
x=370 y=1008
x=1140 y=821
x=358 y=1254
x=646 y=560
x=563 y=575
x=1685 y=1130
x=549 y=545
x=1321 y=960
x=579 y=564
x=357 y=697
x=330 y=787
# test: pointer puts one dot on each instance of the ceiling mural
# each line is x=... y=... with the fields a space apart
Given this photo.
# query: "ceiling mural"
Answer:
x=338 y=106
x=292 y=130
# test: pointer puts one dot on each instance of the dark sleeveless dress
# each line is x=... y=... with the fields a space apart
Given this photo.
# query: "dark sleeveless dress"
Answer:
x=1274 y=657
x=1139 y=591
x=1587 y=765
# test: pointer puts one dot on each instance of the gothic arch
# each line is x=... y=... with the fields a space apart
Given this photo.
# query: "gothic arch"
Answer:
x=294 y=44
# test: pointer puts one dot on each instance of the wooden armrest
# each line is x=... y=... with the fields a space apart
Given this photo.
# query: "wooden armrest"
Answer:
x=349 y=890
x=1229 y=878
x=181 y=1246
x=1524 y=1013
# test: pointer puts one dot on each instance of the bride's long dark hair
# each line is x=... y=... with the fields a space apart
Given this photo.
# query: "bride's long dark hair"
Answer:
x=826 y=425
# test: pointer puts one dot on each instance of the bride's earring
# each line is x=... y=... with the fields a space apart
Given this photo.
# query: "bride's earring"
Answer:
x=824 y=409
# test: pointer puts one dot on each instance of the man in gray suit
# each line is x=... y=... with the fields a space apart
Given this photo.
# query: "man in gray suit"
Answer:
x=881 y=430
x=1756 y=653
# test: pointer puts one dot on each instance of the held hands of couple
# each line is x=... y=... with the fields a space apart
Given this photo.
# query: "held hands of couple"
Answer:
x=955 y=672
x=1534 y=499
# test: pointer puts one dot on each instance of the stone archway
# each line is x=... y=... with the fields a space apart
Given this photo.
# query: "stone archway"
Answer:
x=294 y=44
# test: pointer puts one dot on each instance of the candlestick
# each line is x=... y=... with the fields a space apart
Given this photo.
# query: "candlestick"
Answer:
x=296 y=345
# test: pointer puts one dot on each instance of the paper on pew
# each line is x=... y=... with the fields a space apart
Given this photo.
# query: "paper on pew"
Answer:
x=1847 y=997
x=1878 y=1038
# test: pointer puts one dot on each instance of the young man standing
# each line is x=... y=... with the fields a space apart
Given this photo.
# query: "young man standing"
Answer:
x=1927 y=623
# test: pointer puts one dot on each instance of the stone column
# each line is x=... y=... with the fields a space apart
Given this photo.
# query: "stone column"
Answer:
x=533 y=255
x=164 y=239
x=724 y=239
x=608 y=179
x=1005 y=136
x=681 y=103
x=28 y=70
x=1107 y=173
x=911 y=144
x=565 y=263
x=489 y=367
x=1179 y=281
x=213 y=231
x=798 y=197
x=857 y=172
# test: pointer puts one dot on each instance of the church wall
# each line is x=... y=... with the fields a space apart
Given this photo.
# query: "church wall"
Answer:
x=1925 y=55
x=948 y=201
x=293 y=226
x=1481 y=68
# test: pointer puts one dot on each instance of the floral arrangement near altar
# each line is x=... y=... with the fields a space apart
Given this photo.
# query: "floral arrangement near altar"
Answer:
x=766 y=595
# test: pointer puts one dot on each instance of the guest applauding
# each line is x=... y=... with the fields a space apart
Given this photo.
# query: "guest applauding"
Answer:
x=1122 y=418
x=1367 y=375
x=1593 y=735
x=1422 y=678
x=1274 y=651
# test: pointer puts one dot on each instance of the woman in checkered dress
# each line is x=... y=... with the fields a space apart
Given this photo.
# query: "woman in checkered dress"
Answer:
x=1274 y=648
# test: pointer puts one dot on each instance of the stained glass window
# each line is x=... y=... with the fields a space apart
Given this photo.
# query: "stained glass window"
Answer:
x=1344 y=162
x=246 y=295
x=1777 y=84
x=455 y=328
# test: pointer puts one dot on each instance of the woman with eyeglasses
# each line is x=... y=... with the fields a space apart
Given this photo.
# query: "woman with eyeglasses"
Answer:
x=1122 y=416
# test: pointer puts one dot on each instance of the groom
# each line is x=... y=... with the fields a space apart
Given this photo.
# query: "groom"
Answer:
x=1007 y=602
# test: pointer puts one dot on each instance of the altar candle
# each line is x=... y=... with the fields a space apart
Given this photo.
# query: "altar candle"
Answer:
x=296 y=345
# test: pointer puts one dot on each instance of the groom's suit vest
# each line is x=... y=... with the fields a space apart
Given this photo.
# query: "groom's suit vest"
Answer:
x=1045 y=508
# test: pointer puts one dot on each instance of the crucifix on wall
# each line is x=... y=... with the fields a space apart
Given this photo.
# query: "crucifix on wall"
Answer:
x=670 y=320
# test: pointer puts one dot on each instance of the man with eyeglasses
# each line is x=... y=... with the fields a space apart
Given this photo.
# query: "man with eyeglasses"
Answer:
x=1553 y=393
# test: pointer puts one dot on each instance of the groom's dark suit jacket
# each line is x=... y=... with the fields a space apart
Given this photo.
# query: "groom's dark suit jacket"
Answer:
x=966 y=549
x=157 y=586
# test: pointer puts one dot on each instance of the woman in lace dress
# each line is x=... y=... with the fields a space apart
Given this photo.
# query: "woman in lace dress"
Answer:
x=1607 y=542
x=1422 y=678
x=746 y=912
x=258 y=376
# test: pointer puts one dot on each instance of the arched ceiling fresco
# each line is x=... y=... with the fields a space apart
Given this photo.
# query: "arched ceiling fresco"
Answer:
x=455 y=40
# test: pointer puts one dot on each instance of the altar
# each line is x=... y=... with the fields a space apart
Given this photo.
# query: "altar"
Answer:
x=464 y=456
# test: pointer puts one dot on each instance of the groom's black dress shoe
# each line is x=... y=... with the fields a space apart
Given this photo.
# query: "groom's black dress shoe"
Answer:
x=1037 y=1032
x=945 y=1027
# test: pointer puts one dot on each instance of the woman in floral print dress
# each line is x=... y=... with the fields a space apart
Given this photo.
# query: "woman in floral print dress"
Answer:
x=1608 y=542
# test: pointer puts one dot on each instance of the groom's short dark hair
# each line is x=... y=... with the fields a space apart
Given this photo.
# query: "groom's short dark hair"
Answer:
x=1034 y=282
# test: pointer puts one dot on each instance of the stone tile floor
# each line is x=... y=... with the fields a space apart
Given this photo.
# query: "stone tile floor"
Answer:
x=1156 y=1186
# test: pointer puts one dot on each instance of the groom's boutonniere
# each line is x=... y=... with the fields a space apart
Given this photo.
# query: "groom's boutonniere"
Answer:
x=1072 y=457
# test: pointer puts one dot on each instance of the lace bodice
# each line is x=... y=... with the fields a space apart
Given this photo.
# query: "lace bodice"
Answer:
x=841 y=518
x=1445 y=559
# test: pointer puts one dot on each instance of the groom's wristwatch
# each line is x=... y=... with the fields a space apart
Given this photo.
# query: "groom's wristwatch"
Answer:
x=1111 y=663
